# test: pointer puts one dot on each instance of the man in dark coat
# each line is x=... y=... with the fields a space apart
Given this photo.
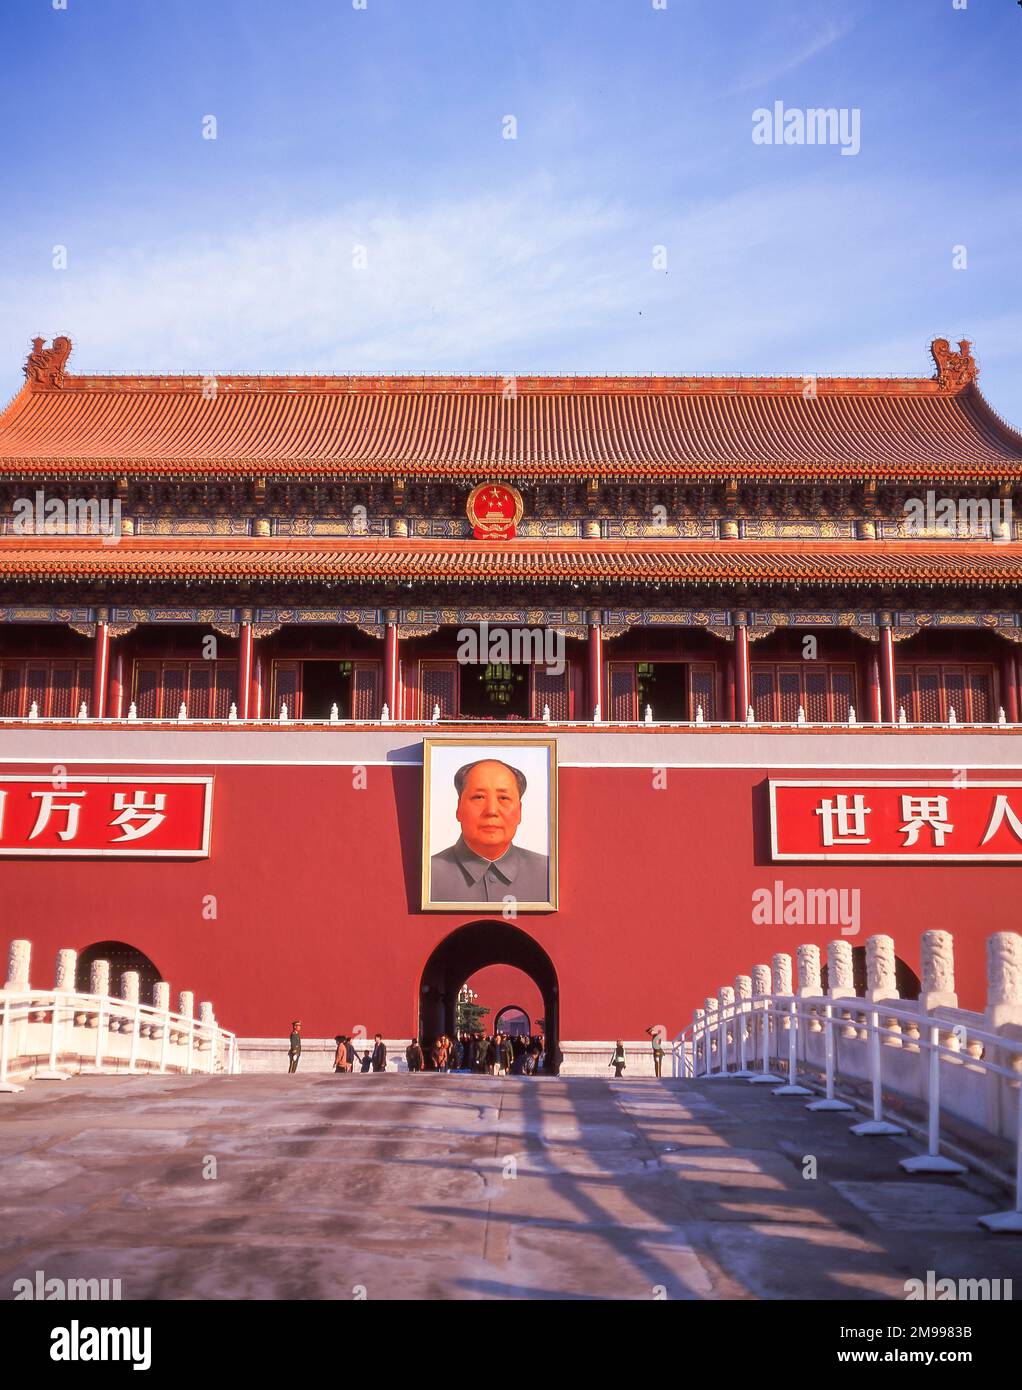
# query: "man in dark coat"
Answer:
x=413 y=1055
x=294 y=1050
x=380 y=1054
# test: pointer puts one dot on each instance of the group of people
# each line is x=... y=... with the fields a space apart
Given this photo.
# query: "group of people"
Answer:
x=495 y=1054
x=347 y=1059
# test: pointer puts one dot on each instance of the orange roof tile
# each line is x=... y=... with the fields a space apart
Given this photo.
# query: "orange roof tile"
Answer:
x=955 y=565
x=525 y=428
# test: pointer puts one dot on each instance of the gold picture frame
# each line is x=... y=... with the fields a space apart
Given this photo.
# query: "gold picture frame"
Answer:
x=454 y=867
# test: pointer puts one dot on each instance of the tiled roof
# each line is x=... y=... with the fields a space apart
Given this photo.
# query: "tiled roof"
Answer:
x=956 y=565
x=520 y=429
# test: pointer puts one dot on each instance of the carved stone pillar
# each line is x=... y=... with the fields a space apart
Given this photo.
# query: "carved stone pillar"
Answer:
x=1004 y=979
x=881 y=981
x=782 y=974
x=64 y=976
x=19 y=957
x=841 y=979
x=810 y=983
x=1004 y=1014
x=743 y=993
x=710 y=1007
x=99 y=978
x=726 y=1000
x=938 y=967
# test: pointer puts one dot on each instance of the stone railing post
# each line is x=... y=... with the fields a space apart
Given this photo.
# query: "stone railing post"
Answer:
x=157 y=1028
x=207 y=1039
x=1003 y=1015
x=64 y=975
x=726 y=1000
x=937 y=965
x=743 y=993
x=99 y=983
x=186 y=1007
x=810 y=982
x=19 y=956
x=782 y=985
x=698 y=1038
x=710 y=1005
x=761 y=987
x=841 y=980
x=881 y=981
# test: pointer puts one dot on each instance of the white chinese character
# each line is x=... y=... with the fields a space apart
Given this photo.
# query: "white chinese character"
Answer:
x=917 y=811
x=138 y=810
x=48 y=804
x=1002 y=811
x=851 y=820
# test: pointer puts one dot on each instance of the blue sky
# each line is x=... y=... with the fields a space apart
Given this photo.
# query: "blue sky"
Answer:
x=360 y=209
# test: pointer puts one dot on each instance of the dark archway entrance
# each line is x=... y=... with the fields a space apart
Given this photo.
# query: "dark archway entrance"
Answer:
x=122 y=957
x=471 y=948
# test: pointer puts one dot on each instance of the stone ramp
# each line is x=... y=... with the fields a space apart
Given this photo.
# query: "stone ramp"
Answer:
x=429 y=1186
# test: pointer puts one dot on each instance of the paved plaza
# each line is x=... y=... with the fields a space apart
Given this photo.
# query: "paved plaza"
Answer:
x=398 y=1186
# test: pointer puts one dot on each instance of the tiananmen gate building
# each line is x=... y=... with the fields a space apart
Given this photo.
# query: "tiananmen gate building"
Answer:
x=767 y=628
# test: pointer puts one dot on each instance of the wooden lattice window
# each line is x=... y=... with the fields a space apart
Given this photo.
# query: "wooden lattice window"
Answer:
x=928 y=691
x=552 y=690
x=438 y=685
x=58 y=688
x=207 y=689
x=824 y=690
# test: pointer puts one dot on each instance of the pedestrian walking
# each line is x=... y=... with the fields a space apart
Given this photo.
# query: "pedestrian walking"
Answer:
x=413 y=1056
x=658 y=1048
x=379 y=1054
x=618 y=1059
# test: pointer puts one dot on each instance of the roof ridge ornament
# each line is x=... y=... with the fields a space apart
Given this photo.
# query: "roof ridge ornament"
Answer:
x=954 y=369
x=45 y=365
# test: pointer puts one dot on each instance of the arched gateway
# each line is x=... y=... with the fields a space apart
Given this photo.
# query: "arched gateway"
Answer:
x=471 y=948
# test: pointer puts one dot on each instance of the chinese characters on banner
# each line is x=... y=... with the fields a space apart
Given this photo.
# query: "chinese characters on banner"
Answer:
x=140 y=817
x=896 y=820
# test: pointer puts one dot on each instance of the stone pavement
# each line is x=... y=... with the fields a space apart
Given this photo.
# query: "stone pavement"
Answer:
x=470 y=1187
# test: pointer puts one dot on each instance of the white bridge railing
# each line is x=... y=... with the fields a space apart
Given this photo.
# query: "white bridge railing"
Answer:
x=765 y=1030
x=54 y=1034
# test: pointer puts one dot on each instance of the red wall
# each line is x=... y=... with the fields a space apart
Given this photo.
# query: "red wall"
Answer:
x=317 y=884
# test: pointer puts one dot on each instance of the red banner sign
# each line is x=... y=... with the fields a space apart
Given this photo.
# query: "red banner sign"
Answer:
x=122 y=816
x=940 y=820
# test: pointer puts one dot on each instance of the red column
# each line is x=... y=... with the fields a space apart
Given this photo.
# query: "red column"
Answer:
x=246 y=648
x=255 y=700
x=1009 y=682
x=115 y=695
x=875 y=702
x=595 y=689
x=100 y=668
x=743 y=684
x=888 y=697
x=391 y=668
